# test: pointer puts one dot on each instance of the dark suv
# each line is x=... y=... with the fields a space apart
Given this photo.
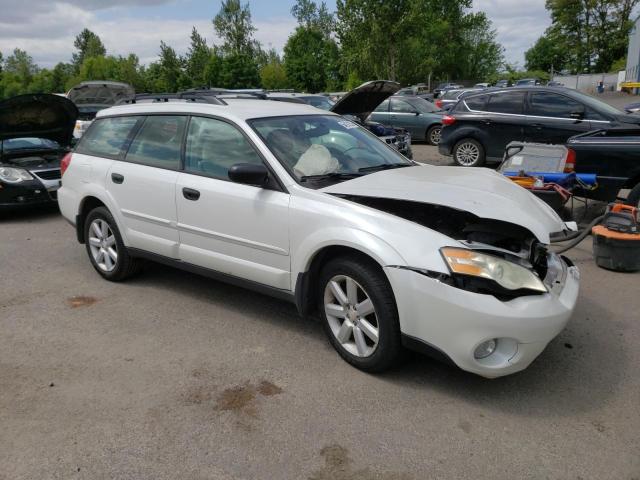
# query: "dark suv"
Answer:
x=480 y=125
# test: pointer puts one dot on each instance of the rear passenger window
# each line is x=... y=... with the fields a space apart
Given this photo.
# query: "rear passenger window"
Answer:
x=476 y=102
x=214 y=146
x=506 y=102
x=107 y=137
x=400 y=106
x=159 y=141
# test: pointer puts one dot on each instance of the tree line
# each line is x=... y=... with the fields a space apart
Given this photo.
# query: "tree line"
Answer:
x=585 y=36
x=408 y=41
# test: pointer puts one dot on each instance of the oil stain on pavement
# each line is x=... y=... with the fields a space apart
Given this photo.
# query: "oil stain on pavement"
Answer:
x=338 y=467
x=242 y=398
x=81 y=301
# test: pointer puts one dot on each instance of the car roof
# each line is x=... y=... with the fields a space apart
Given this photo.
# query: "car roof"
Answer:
x=238 y=109
x=293 y=94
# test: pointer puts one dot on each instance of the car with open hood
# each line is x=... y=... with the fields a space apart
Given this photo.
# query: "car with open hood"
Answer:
x=92 y=96
x=308 y=206
x=35 y=134
x=359 y=104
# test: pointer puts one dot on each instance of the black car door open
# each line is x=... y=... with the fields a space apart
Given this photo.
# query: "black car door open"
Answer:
x=553 y=118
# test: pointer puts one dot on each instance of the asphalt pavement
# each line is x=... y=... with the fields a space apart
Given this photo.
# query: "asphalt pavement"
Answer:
x=170 y=375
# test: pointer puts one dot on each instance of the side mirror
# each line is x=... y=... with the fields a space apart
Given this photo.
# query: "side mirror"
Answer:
x=416 y=113
x=578 y=114
x=249 y=174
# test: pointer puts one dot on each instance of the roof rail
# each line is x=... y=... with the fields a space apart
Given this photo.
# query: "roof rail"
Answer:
x=226 y=93
x=192 y=96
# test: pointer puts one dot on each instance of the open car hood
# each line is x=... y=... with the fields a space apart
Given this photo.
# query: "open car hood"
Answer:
x=100 y=93
x=479 y=191
x=363 y=100
x=38 y=115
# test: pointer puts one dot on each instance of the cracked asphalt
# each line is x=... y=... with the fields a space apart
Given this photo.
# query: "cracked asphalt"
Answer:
x=171 y=375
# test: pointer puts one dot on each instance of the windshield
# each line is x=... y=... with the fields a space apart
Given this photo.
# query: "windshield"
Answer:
x=597 y=105
x=28 y=143
x=321 y=149
x=319 y=102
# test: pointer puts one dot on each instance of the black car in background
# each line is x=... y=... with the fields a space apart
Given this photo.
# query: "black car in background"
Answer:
x=36 y=131
x=480 y=125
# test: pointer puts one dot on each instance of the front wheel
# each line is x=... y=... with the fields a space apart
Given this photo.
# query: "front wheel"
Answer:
x=107 y=252
x=469 y=153
x=360 y=314
x=434 y=134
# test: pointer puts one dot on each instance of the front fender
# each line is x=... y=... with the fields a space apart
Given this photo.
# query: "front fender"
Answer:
x=365 y=242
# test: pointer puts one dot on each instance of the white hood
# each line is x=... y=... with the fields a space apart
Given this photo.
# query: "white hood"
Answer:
x=479 y=191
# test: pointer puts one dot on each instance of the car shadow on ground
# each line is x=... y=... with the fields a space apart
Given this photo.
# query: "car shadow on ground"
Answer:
x=578 y=372
x=29 y=214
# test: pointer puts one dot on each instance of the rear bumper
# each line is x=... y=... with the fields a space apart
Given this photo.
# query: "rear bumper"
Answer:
x=456 y=321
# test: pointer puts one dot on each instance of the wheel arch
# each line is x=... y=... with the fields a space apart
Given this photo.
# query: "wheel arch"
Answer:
x=89 y=202
x=305 y=273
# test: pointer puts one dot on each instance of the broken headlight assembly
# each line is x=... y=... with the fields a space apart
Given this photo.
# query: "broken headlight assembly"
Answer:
x=491 y=274
x=14 y=175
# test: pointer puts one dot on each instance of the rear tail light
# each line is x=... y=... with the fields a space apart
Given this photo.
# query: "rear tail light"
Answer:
x=439 y=103
x=570 y=162
x=65 y=162
x=448 y=120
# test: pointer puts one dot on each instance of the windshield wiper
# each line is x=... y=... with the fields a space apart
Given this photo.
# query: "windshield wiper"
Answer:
x=326 y=176
x=384 y=166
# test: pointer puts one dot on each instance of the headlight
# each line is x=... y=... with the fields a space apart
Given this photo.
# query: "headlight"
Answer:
x=507 y=274
x=14 y=175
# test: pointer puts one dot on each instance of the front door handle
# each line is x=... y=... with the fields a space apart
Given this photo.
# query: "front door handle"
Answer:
x=117 y=178
x=190 y=194
x=487 y=122
x=537 y=125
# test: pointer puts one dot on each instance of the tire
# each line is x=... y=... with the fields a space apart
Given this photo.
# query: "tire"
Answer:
x=434 y=134
x=357 y=345
x=633 y=198
x=469 y=153
x=101 y=247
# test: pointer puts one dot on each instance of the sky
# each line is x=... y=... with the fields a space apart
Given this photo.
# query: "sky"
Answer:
x=46 y=28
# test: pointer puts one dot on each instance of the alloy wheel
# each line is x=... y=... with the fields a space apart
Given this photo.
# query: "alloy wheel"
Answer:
x=434 y=136
x=351 y=316
x=102 y=243
x=467 y=154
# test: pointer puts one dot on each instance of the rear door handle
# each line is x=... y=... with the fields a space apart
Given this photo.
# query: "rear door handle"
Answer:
x=487 y=122
x=537 y=125
x=190 y=194
x=117 y=178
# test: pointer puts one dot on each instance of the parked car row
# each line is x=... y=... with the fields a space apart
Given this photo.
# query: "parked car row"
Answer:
x=481 y=124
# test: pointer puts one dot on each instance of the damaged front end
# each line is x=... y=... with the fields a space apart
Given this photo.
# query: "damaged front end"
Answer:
x=494 y=250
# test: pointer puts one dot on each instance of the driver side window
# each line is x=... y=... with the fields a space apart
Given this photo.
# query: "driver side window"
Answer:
x=214 y=146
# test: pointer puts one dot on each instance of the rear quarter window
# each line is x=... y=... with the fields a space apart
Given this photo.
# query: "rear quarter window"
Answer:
x=477 y=102
x=108 y=137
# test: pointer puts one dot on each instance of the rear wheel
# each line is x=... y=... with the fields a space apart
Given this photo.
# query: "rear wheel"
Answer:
x=469 y=153
x=359 y=313
x=434 y=134
x=107 y=252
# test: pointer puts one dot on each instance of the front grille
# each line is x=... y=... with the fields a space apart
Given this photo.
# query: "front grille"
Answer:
x=49 y=174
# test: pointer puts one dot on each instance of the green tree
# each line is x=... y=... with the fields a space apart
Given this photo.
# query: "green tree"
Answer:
x=87 y=44
x=60 y=75
x=21 y=64
x=234 y=26
x=239 y=71
x=170 y=68
x=197 y=59
x=308 y=56
x=592 y=33
x=547 y=53
x=213 y=69
x=273 y=75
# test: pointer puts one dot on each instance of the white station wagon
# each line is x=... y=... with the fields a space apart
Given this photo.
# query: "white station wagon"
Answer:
x=308 y=206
